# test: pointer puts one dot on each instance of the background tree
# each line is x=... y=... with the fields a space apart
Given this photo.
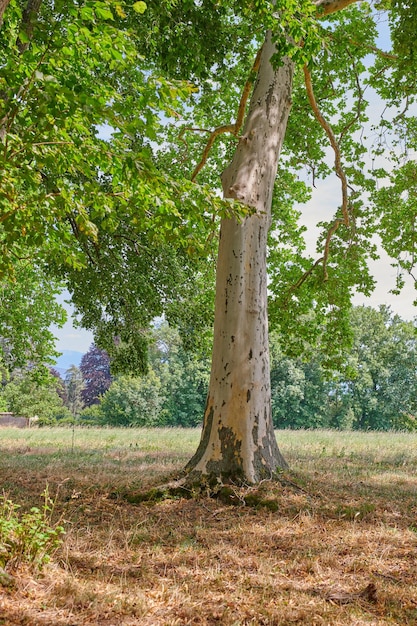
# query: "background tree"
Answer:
x=300 y=390
x=24 y=396
x=95 y=370
x=376 y=390
x=383 y=393
x=183 y=376
x=74 y=385
x=132 y=402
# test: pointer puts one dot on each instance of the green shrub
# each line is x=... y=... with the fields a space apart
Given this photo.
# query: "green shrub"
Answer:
x=29 y=537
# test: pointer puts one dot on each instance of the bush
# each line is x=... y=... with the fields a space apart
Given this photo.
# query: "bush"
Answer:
x=132 y=402
x=29 y=538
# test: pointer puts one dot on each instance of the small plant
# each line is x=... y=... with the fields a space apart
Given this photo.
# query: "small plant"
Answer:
x=29 y=537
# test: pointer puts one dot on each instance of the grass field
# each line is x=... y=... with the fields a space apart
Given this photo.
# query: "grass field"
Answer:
x=335 y=543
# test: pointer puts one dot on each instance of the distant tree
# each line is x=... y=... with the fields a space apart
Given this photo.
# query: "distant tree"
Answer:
x=23 y=395
x=95 y=369
x=132 y=402
x=382 y=395
x=184 y=377
x=74 y=385
x=59 y=384
x=299 y=391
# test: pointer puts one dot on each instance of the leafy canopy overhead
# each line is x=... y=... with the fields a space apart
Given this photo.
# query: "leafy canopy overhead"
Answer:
x=106 y=111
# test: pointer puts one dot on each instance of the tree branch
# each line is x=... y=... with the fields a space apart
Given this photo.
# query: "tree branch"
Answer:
x=338 y=168
x=230 y=128
x=333 y=141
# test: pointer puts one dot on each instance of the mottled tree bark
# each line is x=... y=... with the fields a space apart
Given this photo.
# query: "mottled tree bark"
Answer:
x=238 y=441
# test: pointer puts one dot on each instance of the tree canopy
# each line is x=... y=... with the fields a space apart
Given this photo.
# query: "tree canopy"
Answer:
x=116 y=207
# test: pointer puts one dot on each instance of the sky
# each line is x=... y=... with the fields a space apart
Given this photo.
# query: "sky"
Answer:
x=325 y=199
x=70 y=337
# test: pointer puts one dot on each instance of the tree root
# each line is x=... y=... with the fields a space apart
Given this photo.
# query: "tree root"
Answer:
x=193 y=486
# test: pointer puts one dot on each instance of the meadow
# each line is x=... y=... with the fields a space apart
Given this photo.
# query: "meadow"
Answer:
x=333 y=542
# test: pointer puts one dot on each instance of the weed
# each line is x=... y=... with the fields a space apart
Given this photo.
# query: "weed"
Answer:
x=28 y=537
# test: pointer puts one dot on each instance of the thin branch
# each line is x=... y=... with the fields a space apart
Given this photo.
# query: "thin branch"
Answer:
x=358 y=105
x=42 y=143
x=333 y=141
x=77 y=234
x=303 y=278
x=220 y=130
x=403 y=112
x=333 y=228
x=230 y=128
x=6 y=215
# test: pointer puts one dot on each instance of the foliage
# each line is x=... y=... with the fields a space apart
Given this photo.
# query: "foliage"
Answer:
x=27 y=309
x=377 y=389
x=24 y=396
x=95 y=370
x=172 y=392
x=30 y=537
x=300 y=391
x=184 y=377
x=74 y=385
x=132 y=402
x=383 y=394
x=79 y=188
x=59 y=384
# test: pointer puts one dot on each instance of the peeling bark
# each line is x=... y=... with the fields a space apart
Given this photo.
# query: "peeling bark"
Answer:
x=238 y=441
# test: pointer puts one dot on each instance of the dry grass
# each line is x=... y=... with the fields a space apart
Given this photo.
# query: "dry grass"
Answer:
x=345 y=519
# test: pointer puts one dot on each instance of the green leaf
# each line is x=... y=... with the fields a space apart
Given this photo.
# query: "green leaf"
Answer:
x=103 y=12
x=139 y=7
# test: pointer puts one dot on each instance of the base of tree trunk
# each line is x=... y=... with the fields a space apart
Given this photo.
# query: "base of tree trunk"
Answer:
x=195 y=486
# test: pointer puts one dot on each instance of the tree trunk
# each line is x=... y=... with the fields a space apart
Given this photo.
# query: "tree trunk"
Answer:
x=238 y=442
x=3 y=7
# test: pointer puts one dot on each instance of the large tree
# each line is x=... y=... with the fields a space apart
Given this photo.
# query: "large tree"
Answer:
x=238 y=441
x=132 y=215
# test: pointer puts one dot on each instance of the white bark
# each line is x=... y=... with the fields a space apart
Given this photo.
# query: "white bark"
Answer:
x=238 y=440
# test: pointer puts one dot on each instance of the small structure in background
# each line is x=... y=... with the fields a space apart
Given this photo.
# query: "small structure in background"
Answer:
x=9 y=419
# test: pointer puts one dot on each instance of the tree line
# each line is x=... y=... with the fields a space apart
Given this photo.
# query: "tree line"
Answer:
x=376 y=390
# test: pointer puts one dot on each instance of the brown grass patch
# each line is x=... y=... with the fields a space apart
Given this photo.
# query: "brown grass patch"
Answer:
x=301 y=555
